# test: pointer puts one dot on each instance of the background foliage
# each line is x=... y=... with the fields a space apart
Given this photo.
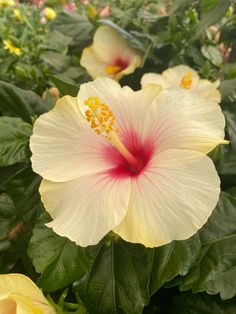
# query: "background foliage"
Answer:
x=197 y=275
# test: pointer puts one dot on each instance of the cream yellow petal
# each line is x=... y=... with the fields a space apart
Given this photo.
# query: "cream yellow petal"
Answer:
x=208 y=90
x=63 y=145
x=171 y=200
x=153 y=78
x=129 y=107
x=214 y=95
x=94 y=65
x=28 y=297
x=86 y=209
x=175 y=75
x=7 y=306
x=109 y=44
x=25 y=305
x=180 y=119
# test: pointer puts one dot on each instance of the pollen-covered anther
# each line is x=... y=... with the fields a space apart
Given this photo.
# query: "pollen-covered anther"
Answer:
x=100 y=117
x=113 y=69
x=186 y=80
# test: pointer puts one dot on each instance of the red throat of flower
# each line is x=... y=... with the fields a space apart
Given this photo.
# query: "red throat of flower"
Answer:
x=128 y=157
x=117 y=66
x=122 y=168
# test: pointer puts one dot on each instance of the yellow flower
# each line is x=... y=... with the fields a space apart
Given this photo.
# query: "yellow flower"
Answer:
x=131 y=162
x=184 y=77
x=18 y=15
x=13 y=49
x=109 y=55
x=50 y=14
x=19 y=295
x=7 y=3
x=91 y=11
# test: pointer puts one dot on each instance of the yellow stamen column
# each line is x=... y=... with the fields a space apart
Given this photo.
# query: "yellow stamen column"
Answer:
x=186 y=81
x=102 y=121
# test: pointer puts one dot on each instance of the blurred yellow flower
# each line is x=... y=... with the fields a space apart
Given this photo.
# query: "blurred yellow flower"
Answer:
x=18 y=15
x=185 y=77
x=19 y=295
x=13 y=49
x=7 y=3
x=50 y=14
x=91 y=11
x=110 y=55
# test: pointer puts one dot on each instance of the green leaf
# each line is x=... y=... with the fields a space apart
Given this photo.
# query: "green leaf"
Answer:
x=74 y=25
x=172 y=260
x=64 y=87
x=228 y=90
x=227 y=168
x=215 y=270
x=222 y=223
x=7 y=215
x=7 y=172
x=17 y=102
x=14 y=138
x=55 y=59
x=57 y=259
x=232 y=191
x=207 y=5
x=56 y=41
x=230 y=117
x=7 y=224
x=18 y=210
x=213 y=54
x=123 y=276
x=213 y=16
x=23 y=190
x=187 y=303
x=118 y=279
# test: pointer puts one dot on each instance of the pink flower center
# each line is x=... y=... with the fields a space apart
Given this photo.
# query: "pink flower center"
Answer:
x=117 y=66
x=121 y=168
x=127 y=154
x=121 y=63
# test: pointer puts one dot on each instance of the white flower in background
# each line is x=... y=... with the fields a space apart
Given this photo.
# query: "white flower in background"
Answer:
x=185 y=77
x=19 y=295
x=131 y=162
x=109 y=55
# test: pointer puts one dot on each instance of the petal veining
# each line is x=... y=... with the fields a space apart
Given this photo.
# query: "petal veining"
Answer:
x=63 y=145
x=86 y=209
x=182 y=119
x=171 y=200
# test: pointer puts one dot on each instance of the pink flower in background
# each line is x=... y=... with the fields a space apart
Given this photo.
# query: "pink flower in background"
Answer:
x=70 y=7
x=39 y=3
x=84 y=2
x=104 y=12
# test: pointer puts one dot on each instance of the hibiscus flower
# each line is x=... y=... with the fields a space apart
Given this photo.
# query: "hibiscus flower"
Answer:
x=185 y=77
x=109 y=55
x=131 y=162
